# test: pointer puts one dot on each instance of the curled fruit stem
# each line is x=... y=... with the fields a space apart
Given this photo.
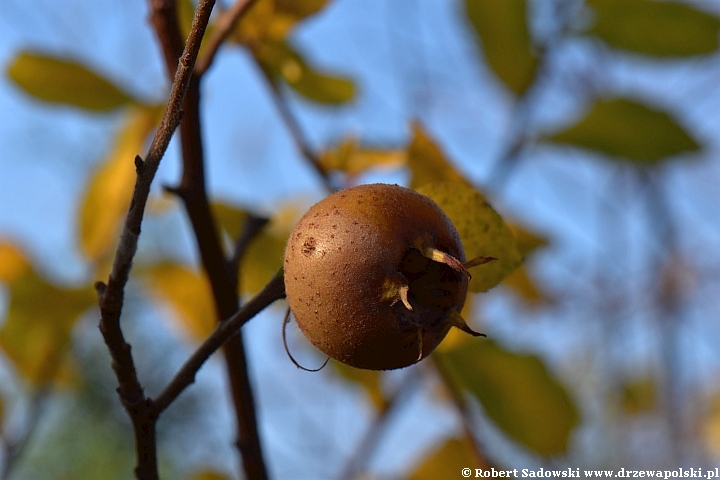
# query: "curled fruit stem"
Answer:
x=286 y=320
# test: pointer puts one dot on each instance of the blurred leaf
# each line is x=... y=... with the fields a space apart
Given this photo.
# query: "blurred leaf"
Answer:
x=273 y=19
x=13 y=262
x=229 y=218
x=254 y=25
x=264 y=255
x=651 y=27
x=710 y=424
x=279 y=60
x=522 y=284
x=209 y=475
x=427 y=162
x=452 y=456
x=629 y=130
x=638 y=396
x=501 y=26
x=527 y=240
x=186 y=14
x=187 y=292
x=350 y=157
x=517 y=393
x=63 y=81
x=36 y=333
x=368 y=379
x=482 y=231
x=109 y=190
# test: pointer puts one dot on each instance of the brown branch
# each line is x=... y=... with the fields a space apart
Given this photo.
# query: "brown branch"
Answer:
x=111 y=296
x=223 y=280
x=223 y=27
x=274 y=290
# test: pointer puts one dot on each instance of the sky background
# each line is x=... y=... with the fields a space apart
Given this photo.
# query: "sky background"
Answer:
x=410 y=61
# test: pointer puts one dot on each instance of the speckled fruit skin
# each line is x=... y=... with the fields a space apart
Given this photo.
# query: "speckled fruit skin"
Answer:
x=338 y=259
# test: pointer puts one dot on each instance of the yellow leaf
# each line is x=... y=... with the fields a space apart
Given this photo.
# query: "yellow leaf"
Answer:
x=109 y=190
x=351 y=158
x=13 y=262
x=447 y=461
x=188 y=293
x=253 y=26
x=638 y=395
x=273 y=19
x=36 y=333
x=482 y=231
x=264 y=255
x=230 y=219
x=527 y=240
x=711 y=425
x=279 y=60
x=370 y=380
x=209 y=475
x=59 y=80
x=516 y=391
x=501 y=26
x=523 y=284
x=427 y=162
x=655 y=28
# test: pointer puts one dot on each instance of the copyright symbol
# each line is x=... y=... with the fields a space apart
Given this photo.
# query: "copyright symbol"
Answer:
x=466 y=472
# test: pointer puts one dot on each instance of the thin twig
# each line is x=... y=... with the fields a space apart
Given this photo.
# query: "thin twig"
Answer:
x=461 y=406
x=111 y=296
x=223 y=27
x=274 y=290
x=295 y=130
x=366 y=448
x=253 y=226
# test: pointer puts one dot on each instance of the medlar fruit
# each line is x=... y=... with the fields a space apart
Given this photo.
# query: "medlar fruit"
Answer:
x=374 y=276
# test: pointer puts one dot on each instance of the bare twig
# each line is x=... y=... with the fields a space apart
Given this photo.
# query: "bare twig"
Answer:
x=366 y=448
x=223 y=278
x=111 y=296
x=223 y=27
x=461 y=406
x=295 y=130
x=253 y=226
x=274 y=290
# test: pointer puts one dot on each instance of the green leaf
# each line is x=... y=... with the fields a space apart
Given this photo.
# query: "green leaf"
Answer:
x=517 y=393
x=501 y=26
x=36 y=332
x=109 y=190
x=58 y=80
x=279 y=60
x=650 y=27
x=482 y=231
x=451 y=456
x=629 y=130
x=427 y=162
x=352 y=158
x=187 y=292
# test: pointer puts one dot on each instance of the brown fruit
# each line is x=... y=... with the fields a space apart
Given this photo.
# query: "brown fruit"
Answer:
x=374 y=276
